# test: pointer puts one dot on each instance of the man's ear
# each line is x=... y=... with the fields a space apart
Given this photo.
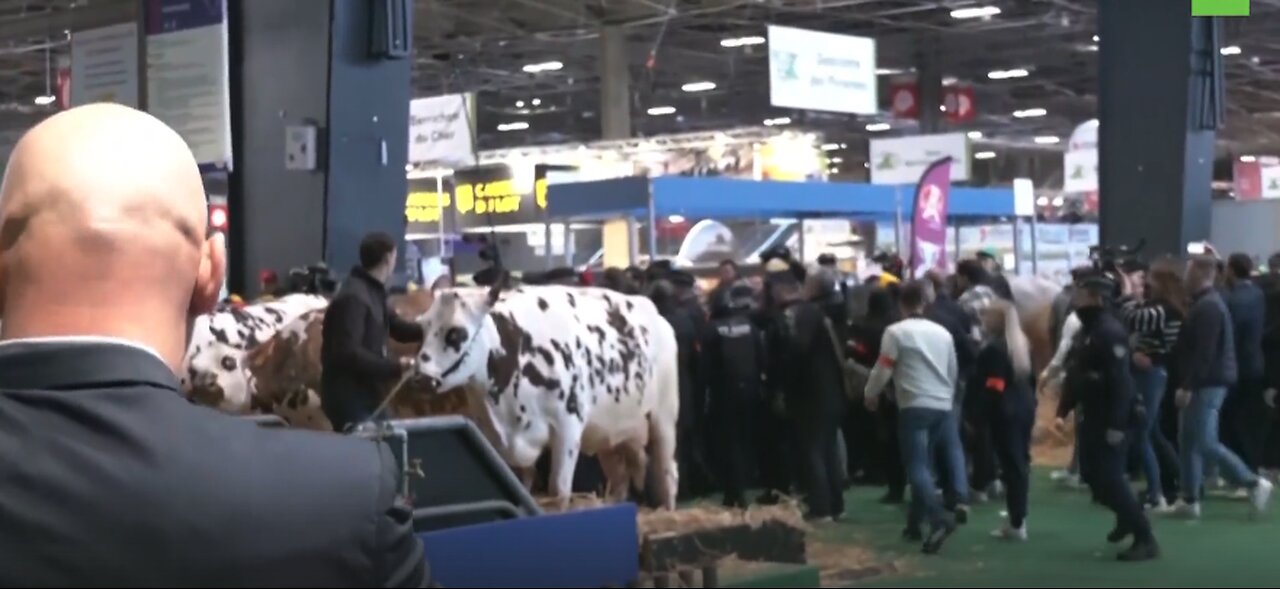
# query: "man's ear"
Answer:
x=212 y=275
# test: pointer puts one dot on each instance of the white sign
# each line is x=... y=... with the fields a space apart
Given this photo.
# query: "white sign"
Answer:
x=187 y=83
x=822 y=71
x=1080 y=163
x=1270 y=181
x=902 y=160
x=441 y=131
x=104 y=65
x=1024 y=197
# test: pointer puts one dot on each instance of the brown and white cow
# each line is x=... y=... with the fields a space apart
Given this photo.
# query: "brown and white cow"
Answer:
x=576 y=370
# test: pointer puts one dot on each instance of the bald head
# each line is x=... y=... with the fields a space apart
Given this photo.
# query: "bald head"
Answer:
x=102 y=232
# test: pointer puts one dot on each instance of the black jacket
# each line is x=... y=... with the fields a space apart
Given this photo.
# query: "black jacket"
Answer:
x=1098 y=375
x=1248 y=308
x=733 y=358
x=951 y=315
x=353 y=351
x=807 y=362
x=995 y=389
x=1206 y=345
x=692 y=400
x=112 y=479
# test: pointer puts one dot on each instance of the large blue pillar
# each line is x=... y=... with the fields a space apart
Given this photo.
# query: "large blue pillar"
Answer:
x=300 y=63
x=1160 y=102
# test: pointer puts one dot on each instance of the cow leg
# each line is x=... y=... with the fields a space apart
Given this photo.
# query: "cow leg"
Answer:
x=616 y=473
x=566 y=444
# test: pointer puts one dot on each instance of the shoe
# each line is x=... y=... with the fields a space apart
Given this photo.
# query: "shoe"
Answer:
x=1140 y=552
x=996 y=491
x=1186 y=510
x=1010 y=533
x=912 y=535
x=1118 y=535
x=1160 y=507
x=980 y=497
x=1240 y=494
x=937 y=538
x=1059 y=476
x=1261 y=495
x=962 y=514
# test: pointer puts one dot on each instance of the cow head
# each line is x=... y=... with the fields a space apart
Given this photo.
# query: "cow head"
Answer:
x=214 y=374
x=458 y=335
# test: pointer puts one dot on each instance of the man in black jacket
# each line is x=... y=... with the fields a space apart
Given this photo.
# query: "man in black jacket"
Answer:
x=1206 y=369
x=1245 y=412
x=353 y=352
x=112 y=479
x=733 y=359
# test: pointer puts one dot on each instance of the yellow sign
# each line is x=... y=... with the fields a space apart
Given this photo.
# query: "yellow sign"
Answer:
x=425 y=207
x=496 y=198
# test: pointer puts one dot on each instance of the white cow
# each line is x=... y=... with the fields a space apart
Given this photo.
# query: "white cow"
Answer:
x=214 y=372
x=574 y=369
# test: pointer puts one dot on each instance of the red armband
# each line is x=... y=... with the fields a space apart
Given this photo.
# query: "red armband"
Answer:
x=996 y=384
x=885 y=361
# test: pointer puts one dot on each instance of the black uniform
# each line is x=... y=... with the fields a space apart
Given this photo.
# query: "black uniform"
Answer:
x=1098 y=378
x=733 y=358
x=1007 y=404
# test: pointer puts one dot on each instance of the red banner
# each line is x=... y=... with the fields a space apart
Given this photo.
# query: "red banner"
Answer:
x=63 y=88
x=959 y=103
x=1247 y=178
x=904 y=100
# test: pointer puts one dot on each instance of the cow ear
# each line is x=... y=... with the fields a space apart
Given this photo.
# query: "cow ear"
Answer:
x=496 y=290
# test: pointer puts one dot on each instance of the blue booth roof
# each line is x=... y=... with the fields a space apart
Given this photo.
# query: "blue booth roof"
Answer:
x=734 y=198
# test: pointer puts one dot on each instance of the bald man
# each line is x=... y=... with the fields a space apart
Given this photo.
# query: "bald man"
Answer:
x=109 y=477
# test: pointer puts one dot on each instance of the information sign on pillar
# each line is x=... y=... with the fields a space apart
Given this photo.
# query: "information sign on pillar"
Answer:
x=187 y=75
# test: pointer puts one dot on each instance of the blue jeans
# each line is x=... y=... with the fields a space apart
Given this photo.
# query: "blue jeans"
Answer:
x=1151 y=386
x=1198 y=441
x=919 y=432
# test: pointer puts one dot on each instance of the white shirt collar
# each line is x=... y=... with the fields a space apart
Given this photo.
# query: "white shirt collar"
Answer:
x=78 y=340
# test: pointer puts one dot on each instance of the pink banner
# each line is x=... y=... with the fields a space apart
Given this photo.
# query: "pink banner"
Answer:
x=929 y=219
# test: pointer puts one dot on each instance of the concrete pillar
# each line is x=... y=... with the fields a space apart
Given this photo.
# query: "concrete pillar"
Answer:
x=929 y=81
x=618 y=235
x=1155 y=164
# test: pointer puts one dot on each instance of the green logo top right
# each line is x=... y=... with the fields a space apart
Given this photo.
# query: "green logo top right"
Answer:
x=1219 y=7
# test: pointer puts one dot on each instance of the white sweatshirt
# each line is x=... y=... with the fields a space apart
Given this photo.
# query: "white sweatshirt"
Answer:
x=920 y=356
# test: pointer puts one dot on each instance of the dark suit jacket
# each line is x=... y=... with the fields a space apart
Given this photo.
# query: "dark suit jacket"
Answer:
x=111 y=479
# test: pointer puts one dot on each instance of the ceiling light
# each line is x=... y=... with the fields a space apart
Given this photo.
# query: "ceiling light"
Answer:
x=975 y=12
x=45 y=100
x=975 y=134
x=777 y=122
x=949 y=80
x=1008 y=74
x=519 y=104
x=889 y=71
x=1248 y=159
x=1030 y=113
x=675 y=219
x=1231 y=50
x=546 y=66
x=658 y=111
x=877 y=127
x=1058 y=201
x=844 y=146
x=833 y=170
x=516 y=126
x=1096 y=38
x=537 y=101
x=830 y=146
x=742 y=41
x=837 y=160
x=984 y=155
x=1047 y=139
x=698 y=86
x=1042 y=201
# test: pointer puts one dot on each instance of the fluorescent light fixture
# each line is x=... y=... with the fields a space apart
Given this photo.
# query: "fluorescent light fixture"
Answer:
x=1048 y=139
x=830 y=146
x=837 y=160
x=658 y=111
x=1096 y=38
x=984 y=155
x=519 y=104
x=975 y=134
x=833 y=170
x=1248 y=159
x=877 y=127
x=1042 y=201
x=1058 y=201
x=698 y=86
x=1008 y=74
x=975 y=12
x=1030 y=113
x=537 y=101
x=516 y=126
x=675 y=219
x=949 y=80
x=742 y=41
x=777 y=122
x=46 y=100
x=1231 y=50
x=889 y=71
x=844 y=146
x=546 y=66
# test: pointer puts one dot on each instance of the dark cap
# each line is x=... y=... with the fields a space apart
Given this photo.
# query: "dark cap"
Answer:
x=681 y=279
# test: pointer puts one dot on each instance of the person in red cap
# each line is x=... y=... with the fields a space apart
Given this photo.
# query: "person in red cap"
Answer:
x=268 y=285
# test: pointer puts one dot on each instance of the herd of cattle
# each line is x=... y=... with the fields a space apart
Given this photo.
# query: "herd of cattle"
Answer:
x=559 y=369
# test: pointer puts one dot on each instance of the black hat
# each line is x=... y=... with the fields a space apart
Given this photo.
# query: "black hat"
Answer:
x=681 y=278
x=1097 y=281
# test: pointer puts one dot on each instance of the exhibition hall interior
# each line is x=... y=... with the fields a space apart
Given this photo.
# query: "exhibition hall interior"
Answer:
x=643 y=293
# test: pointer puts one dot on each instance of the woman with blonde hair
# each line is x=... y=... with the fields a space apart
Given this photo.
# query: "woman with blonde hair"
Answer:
x=1002 y=380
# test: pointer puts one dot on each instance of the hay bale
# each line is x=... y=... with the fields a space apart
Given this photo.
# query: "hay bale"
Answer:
x=1050 y=446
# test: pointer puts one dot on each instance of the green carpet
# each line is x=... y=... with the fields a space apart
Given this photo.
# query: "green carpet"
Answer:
x=1068 y=547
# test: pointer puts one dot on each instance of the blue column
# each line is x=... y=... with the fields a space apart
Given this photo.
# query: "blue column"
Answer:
x=307 y=62
x=1160 y=102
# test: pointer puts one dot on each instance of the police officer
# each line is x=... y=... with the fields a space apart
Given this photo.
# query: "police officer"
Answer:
x=1098 y=379
x=733 y=359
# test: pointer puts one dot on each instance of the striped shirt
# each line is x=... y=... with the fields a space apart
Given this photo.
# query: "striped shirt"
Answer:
x=1154 y=327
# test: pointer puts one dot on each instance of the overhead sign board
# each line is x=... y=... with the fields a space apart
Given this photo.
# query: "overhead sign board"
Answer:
x=442 y=131
x=480 y=197
x=902 y=160
x=812 y=70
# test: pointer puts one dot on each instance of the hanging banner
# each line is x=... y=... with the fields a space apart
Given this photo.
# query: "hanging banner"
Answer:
x=959 y=104
x=442 y=131
x=929 y=219
x=187 y=75
x=104 y=65
x=499 y=195
x=63 y=83
x=904 y=100
x=1247 y=180
x=903 y=160
x=1080 y=163
x=1270 y=181
x=812 y=70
